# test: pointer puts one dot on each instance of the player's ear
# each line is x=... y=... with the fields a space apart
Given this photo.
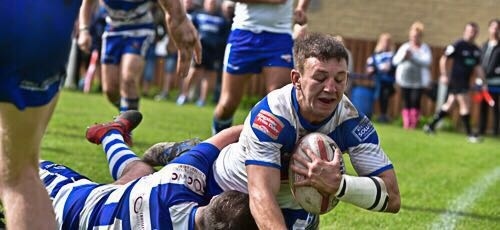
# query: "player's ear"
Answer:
x=295 y=75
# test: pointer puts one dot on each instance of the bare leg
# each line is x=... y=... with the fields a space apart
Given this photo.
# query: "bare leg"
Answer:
x=231 y=94
x=134 y=170
x=111 y=83
x=132 y=67
x=24 y=197
x=463 y=103
x=192 y=76
x=276 y=77
x=449 y=103
x=207 y=84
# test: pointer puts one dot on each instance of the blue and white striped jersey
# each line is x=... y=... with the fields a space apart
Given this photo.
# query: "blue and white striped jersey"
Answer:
x=274 y=126
x=167 y=199
x=128 y=14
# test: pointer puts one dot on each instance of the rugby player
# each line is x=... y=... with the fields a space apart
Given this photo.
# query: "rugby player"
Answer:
x=182 y=195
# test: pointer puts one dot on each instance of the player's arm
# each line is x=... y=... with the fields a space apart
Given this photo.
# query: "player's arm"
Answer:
x=374 y=193
x=479 y=71
x=299 y=14
x=226 y=137
x=84 y=38
x=391 y=184
x=183 y=33
x=263 y=185
x=444 y=63
x=400 y=55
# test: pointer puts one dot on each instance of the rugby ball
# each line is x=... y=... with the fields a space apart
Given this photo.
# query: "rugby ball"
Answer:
x=308 y=197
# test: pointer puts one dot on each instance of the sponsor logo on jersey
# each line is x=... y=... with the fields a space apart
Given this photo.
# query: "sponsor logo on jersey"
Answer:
x=269 y=124
x=138 y=204
x=139 y=211
x=188 y=176
x=363 y=130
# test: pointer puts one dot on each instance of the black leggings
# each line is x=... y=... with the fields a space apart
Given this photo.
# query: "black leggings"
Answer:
x=484 y=111
x=411 y=98
x=386 y=91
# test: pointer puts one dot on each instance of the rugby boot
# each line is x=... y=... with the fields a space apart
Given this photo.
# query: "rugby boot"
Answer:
x=124 y=124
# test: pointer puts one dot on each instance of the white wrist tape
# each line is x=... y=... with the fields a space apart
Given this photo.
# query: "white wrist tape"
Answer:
x=365 y=192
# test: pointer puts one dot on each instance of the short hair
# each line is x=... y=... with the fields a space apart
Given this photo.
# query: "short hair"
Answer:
x=417 y=26
x=473 y=24
x=320 y=46
x=229 y=210
x=494 y=20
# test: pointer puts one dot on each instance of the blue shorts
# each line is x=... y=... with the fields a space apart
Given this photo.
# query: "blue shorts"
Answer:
x=248 y=52
x=35 y=45
x=30 y=92
x=171 y=63
x=116 y=45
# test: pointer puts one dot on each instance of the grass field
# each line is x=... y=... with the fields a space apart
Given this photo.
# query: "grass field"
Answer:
x=445 y=182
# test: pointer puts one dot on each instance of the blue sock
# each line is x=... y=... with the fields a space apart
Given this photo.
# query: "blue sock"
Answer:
x=117 y=152
x=219 y=125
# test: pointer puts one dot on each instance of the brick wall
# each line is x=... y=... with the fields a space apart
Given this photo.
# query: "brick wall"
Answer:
x=444 y=20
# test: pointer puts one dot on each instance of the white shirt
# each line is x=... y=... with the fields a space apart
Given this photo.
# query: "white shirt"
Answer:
x=258 y=17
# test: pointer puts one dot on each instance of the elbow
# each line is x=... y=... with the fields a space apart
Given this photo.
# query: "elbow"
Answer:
x=394 y=205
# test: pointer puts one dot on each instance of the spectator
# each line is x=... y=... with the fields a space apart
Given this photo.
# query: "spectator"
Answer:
x=379 y=65
x=490 y=61
x=213 y=29
x=260 y=42
x=149 y=70
x=465 y=56
x=413 y=60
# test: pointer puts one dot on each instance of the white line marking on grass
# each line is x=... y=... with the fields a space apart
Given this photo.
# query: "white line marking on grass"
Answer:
x=449 y=219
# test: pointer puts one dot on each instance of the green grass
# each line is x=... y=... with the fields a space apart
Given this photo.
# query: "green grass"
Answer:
x=432 y=170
